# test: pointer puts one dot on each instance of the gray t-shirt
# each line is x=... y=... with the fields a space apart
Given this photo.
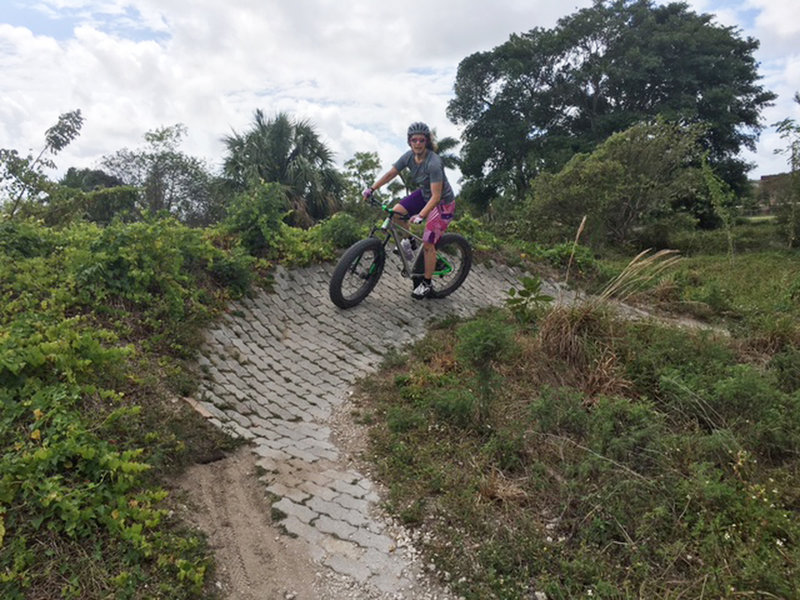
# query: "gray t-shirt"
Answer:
x=430 y=170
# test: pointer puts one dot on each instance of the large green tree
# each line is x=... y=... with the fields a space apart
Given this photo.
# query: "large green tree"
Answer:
x=88 y=180
x=531 y=103
x=290 y=153
x=167 y=179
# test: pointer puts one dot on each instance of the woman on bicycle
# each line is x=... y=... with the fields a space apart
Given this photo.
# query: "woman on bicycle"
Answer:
x=433 y=201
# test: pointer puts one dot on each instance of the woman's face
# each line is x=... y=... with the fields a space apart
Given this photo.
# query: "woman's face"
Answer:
x=418 y=144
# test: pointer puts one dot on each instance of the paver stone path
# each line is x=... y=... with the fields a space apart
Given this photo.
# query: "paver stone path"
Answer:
x=277 y=367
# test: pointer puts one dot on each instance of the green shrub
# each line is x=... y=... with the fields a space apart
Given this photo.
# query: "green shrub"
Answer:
x=402 y=418
x=529 y=303
x=88 y=313
x=455 y=407
x=506 y=450
x=342 y=230
x=105 y=205
x=630 y=180
x=484 y=340
x=232 y=270
x=786 y=366
x=767 y=419
x=654 y=352
x=476 y=231
x=560 y=411
x=24 y=239
x=296 y=247
x=627 y=431
x=256 y=216
x=712 y=294
x=583 y=262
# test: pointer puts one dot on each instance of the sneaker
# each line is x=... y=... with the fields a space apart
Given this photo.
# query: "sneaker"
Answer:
x=423 y=290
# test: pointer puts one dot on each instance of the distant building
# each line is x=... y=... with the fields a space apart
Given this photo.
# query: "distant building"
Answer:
x=770 y=189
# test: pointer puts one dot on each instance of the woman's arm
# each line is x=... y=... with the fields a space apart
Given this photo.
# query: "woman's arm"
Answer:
x=386 y=178
x=436 y=196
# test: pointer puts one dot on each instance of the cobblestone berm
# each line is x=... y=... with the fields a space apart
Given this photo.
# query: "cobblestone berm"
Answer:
x=275 y=369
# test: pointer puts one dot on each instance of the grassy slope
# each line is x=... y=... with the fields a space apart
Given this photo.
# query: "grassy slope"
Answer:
x=94 y=326
x=587 y=456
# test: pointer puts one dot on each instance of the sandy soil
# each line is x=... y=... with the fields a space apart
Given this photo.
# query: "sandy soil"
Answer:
x=255 y=561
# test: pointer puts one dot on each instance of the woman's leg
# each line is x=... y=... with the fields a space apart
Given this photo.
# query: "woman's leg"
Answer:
x=435 y=227
x=411 y=204
x=429 y=252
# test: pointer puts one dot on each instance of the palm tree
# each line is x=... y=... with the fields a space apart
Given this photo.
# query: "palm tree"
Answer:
x=290 y=153
x=445 y=149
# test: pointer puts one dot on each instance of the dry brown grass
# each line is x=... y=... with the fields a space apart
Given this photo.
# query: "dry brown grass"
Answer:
x=603 y=377
x=580 y=338
x=574 y=244
x=641 y=271
x=443 y=363
x=499 y=488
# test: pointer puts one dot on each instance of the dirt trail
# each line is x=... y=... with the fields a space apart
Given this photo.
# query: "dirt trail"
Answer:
x=255 y=561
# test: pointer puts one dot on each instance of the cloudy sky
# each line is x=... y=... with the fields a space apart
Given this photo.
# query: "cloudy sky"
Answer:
x=358 y=71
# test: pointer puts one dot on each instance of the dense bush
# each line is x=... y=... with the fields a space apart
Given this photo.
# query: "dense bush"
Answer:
x=632 y=180
x=79 y=515
x=255 y=217
x=342 y=230
x=65 y=205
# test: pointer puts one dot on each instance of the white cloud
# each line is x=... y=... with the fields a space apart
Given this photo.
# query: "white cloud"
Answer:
x=779 y=18
x=360 y=72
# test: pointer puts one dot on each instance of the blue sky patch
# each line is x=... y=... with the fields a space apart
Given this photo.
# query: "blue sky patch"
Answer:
x=61 y=25
x=18 y=15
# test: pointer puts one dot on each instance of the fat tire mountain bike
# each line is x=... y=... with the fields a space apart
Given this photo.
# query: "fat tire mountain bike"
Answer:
x=361 y=266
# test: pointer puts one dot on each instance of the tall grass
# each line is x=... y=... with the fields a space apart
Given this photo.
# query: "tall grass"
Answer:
x=618 y=458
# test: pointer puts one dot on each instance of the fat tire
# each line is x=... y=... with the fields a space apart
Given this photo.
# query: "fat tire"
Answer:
x=370 y=273
x=447 y=240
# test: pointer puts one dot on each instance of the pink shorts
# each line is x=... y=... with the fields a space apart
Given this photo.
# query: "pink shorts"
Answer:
x=438 y=219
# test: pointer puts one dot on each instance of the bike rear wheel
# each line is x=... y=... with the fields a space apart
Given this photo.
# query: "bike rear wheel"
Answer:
x=453 y=263
x=357 y=272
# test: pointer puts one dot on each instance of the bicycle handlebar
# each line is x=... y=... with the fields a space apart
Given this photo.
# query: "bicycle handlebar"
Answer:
x=385 y=207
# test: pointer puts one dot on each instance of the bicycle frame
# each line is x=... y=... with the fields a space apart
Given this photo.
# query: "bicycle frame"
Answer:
x=394 y=231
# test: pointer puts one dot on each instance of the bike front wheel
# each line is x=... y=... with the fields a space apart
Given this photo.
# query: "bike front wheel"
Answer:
x=453 y=263
x=357 y=272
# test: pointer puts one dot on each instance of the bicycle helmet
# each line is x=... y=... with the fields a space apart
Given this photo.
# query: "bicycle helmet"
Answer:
x=419 y=128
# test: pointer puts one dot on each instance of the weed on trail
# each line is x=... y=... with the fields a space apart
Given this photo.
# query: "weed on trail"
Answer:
x=608 y=459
